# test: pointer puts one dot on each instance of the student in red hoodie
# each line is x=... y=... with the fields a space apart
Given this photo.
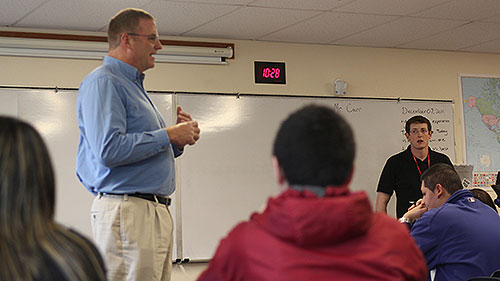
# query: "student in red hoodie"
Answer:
x=316 y=228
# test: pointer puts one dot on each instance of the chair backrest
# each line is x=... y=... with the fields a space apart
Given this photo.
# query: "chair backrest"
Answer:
x=496 y=273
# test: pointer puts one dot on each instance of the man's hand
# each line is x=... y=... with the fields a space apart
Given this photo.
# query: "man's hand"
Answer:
x=416 y=211
x=183 y=133
x=182 y=116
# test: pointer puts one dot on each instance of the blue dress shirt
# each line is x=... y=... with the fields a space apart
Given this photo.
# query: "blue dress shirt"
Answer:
x=124 y=147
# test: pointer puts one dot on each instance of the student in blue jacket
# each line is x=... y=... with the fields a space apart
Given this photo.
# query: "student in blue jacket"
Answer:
x=458 y=234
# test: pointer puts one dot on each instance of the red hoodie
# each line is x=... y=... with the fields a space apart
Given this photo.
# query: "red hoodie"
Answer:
x=302 y=237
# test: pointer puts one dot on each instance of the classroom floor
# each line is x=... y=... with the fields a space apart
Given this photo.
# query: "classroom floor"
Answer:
x=187 y=272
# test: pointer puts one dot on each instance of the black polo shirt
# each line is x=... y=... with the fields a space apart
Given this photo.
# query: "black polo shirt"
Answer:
x=400 y=174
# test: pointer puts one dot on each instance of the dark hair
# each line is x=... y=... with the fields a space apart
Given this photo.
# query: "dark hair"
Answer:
x=444 y=175
x=315 y=146
x=484 y=197
x=27 y=228
x=419 y=119
x=125 y=21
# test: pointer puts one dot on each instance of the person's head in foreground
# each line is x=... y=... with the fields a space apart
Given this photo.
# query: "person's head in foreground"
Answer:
x=314 y=147
x=32 y=245
x=316 y=228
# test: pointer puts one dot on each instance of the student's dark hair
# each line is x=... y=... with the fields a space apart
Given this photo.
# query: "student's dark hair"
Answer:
x=315 y=146
x=418 y=119
x=28 y=232
x=444 y=175
x=484 y=197
x=125 y=21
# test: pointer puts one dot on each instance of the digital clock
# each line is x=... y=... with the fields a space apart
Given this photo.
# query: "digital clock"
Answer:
x=269 y=72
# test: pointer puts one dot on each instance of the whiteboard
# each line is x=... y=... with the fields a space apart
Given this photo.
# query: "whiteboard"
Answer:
x=54 y=116
x=228 y=174
x=8 y=104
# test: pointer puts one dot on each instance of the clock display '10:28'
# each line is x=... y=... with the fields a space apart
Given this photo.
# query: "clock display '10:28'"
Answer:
x=267 y=72
x=271 y=72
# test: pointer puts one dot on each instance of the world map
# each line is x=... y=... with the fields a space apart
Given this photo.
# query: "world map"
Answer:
x=481 y=104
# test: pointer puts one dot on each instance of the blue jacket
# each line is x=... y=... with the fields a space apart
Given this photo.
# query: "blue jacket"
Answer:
x=460 y=239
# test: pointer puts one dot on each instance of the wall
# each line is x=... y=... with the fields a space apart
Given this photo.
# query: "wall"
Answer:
x=311 y=70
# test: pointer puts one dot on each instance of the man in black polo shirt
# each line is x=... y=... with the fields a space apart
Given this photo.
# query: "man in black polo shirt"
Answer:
x=402 y=171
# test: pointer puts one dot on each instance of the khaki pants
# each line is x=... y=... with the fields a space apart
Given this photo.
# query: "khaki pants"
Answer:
x=134 y=236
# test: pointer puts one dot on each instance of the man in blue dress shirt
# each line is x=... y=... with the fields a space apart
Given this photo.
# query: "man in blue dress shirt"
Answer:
x=459 y=235
x=126 y=154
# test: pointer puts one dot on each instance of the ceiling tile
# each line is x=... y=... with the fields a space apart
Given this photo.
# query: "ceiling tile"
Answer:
x=327 y=27
x=460 y=37
x=175 y=23
x=321 y=5
x=228 y=2
x=389 y=7
x=251 y=23
x=495 y=18
x=487 y=47
x=463 y=9
x=89 y=15
x=14 y=10
x=400 y=31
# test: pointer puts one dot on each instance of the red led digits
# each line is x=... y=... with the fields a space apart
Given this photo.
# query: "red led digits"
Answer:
x=269 y=72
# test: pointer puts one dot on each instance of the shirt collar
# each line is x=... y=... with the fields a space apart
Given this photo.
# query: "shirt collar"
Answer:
x=408 y=149
x=317 y=190
x=129 y=71
x=458 y=195
x=321 y=191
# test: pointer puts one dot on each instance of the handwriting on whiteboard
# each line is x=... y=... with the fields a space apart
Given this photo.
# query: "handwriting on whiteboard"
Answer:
x=421 y=111
x=349 y=108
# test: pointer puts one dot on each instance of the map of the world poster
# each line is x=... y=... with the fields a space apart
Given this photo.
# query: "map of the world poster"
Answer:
x=481 y=104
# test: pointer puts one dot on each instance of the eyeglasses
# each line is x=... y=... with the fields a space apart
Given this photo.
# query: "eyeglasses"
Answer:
x=153 y=37
x=416 y=131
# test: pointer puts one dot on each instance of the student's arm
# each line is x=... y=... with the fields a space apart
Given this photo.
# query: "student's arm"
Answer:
x=382 y=201
x=425 y=231
x=414 y=213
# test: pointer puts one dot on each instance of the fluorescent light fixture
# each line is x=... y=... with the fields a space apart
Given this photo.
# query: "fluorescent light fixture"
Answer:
x=49 y=48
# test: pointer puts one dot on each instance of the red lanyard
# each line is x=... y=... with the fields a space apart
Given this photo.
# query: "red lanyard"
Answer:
x=428 y=162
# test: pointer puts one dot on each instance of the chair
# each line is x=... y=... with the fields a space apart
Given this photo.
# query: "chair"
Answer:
x=496 y=273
